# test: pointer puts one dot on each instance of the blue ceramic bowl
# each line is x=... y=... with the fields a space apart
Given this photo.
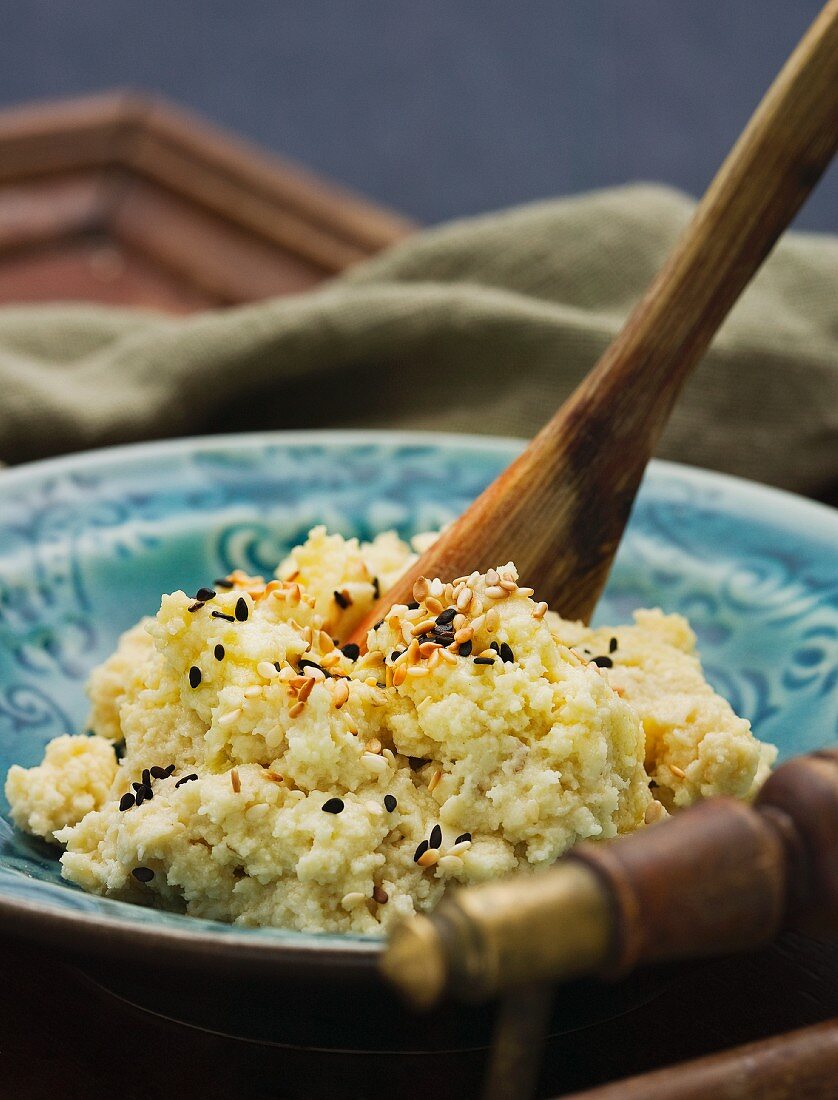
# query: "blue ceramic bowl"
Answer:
x=88 y=544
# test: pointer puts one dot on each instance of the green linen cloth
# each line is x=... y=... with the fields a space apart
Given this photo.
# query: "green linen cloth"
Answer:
x=483 y=325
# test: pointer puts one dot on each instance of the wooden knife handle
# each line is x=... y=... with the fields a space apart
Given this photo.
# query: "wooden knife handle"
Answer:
x=724 y=876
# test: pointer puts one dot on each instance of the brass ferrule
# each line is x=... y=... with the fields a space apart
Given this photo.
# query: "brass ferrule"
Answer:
x=484 y=939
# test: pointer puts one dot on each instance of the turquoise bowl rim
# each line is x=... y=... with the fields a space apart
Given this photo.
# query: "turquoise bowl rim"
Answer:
x=301 y=953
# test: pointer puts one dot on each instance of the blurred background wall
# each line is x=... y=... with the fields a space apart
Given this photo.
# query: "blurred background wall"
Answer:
x=437 y=107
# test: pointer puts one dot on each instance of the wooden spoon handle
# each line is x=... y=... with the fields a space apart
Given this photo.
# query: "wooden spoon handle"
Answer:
x=559 y=510
x=719 y=877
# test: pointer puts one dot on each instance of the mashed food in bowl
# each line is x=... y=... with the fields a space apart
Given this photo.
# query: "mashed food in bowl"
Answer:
x=270 y=774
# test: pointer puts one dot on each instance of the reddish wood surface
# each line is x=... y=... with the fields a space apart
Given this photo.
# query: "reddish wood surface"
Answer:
x=125 y=200
x=799 y=1066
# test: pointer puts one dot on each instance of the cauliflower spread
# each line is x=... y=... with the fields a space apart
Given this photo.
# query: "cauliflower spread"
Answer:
x=273 y=775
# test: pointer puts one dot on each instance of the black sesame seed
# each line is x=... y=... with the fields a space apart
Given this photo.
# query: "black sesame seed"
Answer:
x=138 y=786
x=170 y=769
x=465 y=648
x=506 y=653
x=143 y=874
x=221 y=615
x=378 y=624
x=127 y=801
x=376 y=588
x=242 y=610
x=612 y=645
x=194 y=676
x=332 y=806
x=186 y=779
x=462 y=837
x=158 y=772
x=341 y=600
x=305 y=663
x=602 y=662
x=205 y=594
x=141 y=793
x=416 y=762
x=195 y=606
x=146 y=777
x=219 y=652
x=413 y=606
x=484 y=660
x=352 y=651
x=390 y=803
x=223 y=582
x=148 y=794
x=420 y=851
x=445 y=617
x=278 y=666
x=435 y=838
x=394 y=656
x=495 y=647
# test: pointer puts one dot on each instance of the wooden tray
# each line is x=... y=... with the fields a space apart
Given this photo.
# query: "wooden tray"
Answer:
x=125 y=199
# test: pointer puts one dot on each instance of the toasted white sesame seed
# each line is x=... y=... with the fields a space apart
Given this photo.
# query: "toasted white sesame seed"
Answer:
x=287 y=673
x=540 y=610
x=679 y=773
x=374 y=746
x=296 y=710
x=507 y=584
x=353 y=898
x=374 y=809
x=450 y=864
x=495 y=592
x=229 y=718
x=341 y=693
x=477 y=624
x=433 y=605
x=464 y=635
x=306 y=689
x=654 y=812
x=252 y=692
x=492 y=620
x=464 y=599
x=416 y=671
x=235 y=782
x=447 y=656
x=434 y=659
x=400 y=675
x=433 y=783
x=428 y=858
x=436 y=588
x=267 y=670
x=458 y=849
x=492 y=576
x=374 y=763
x=526 y=591
x=421 y=589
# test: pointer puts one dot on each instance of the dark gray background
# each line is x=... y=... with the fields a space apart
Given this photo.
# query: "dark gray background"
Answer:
x=438 y=107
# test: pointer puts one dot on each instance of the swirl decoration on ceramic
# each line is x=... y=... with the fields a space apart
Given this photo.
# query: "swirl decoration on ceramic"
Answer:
x=88 y=544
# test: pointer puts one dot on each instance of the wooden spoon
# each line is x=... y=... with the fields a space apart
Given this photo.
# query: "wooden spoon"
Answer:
x=559 y=510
